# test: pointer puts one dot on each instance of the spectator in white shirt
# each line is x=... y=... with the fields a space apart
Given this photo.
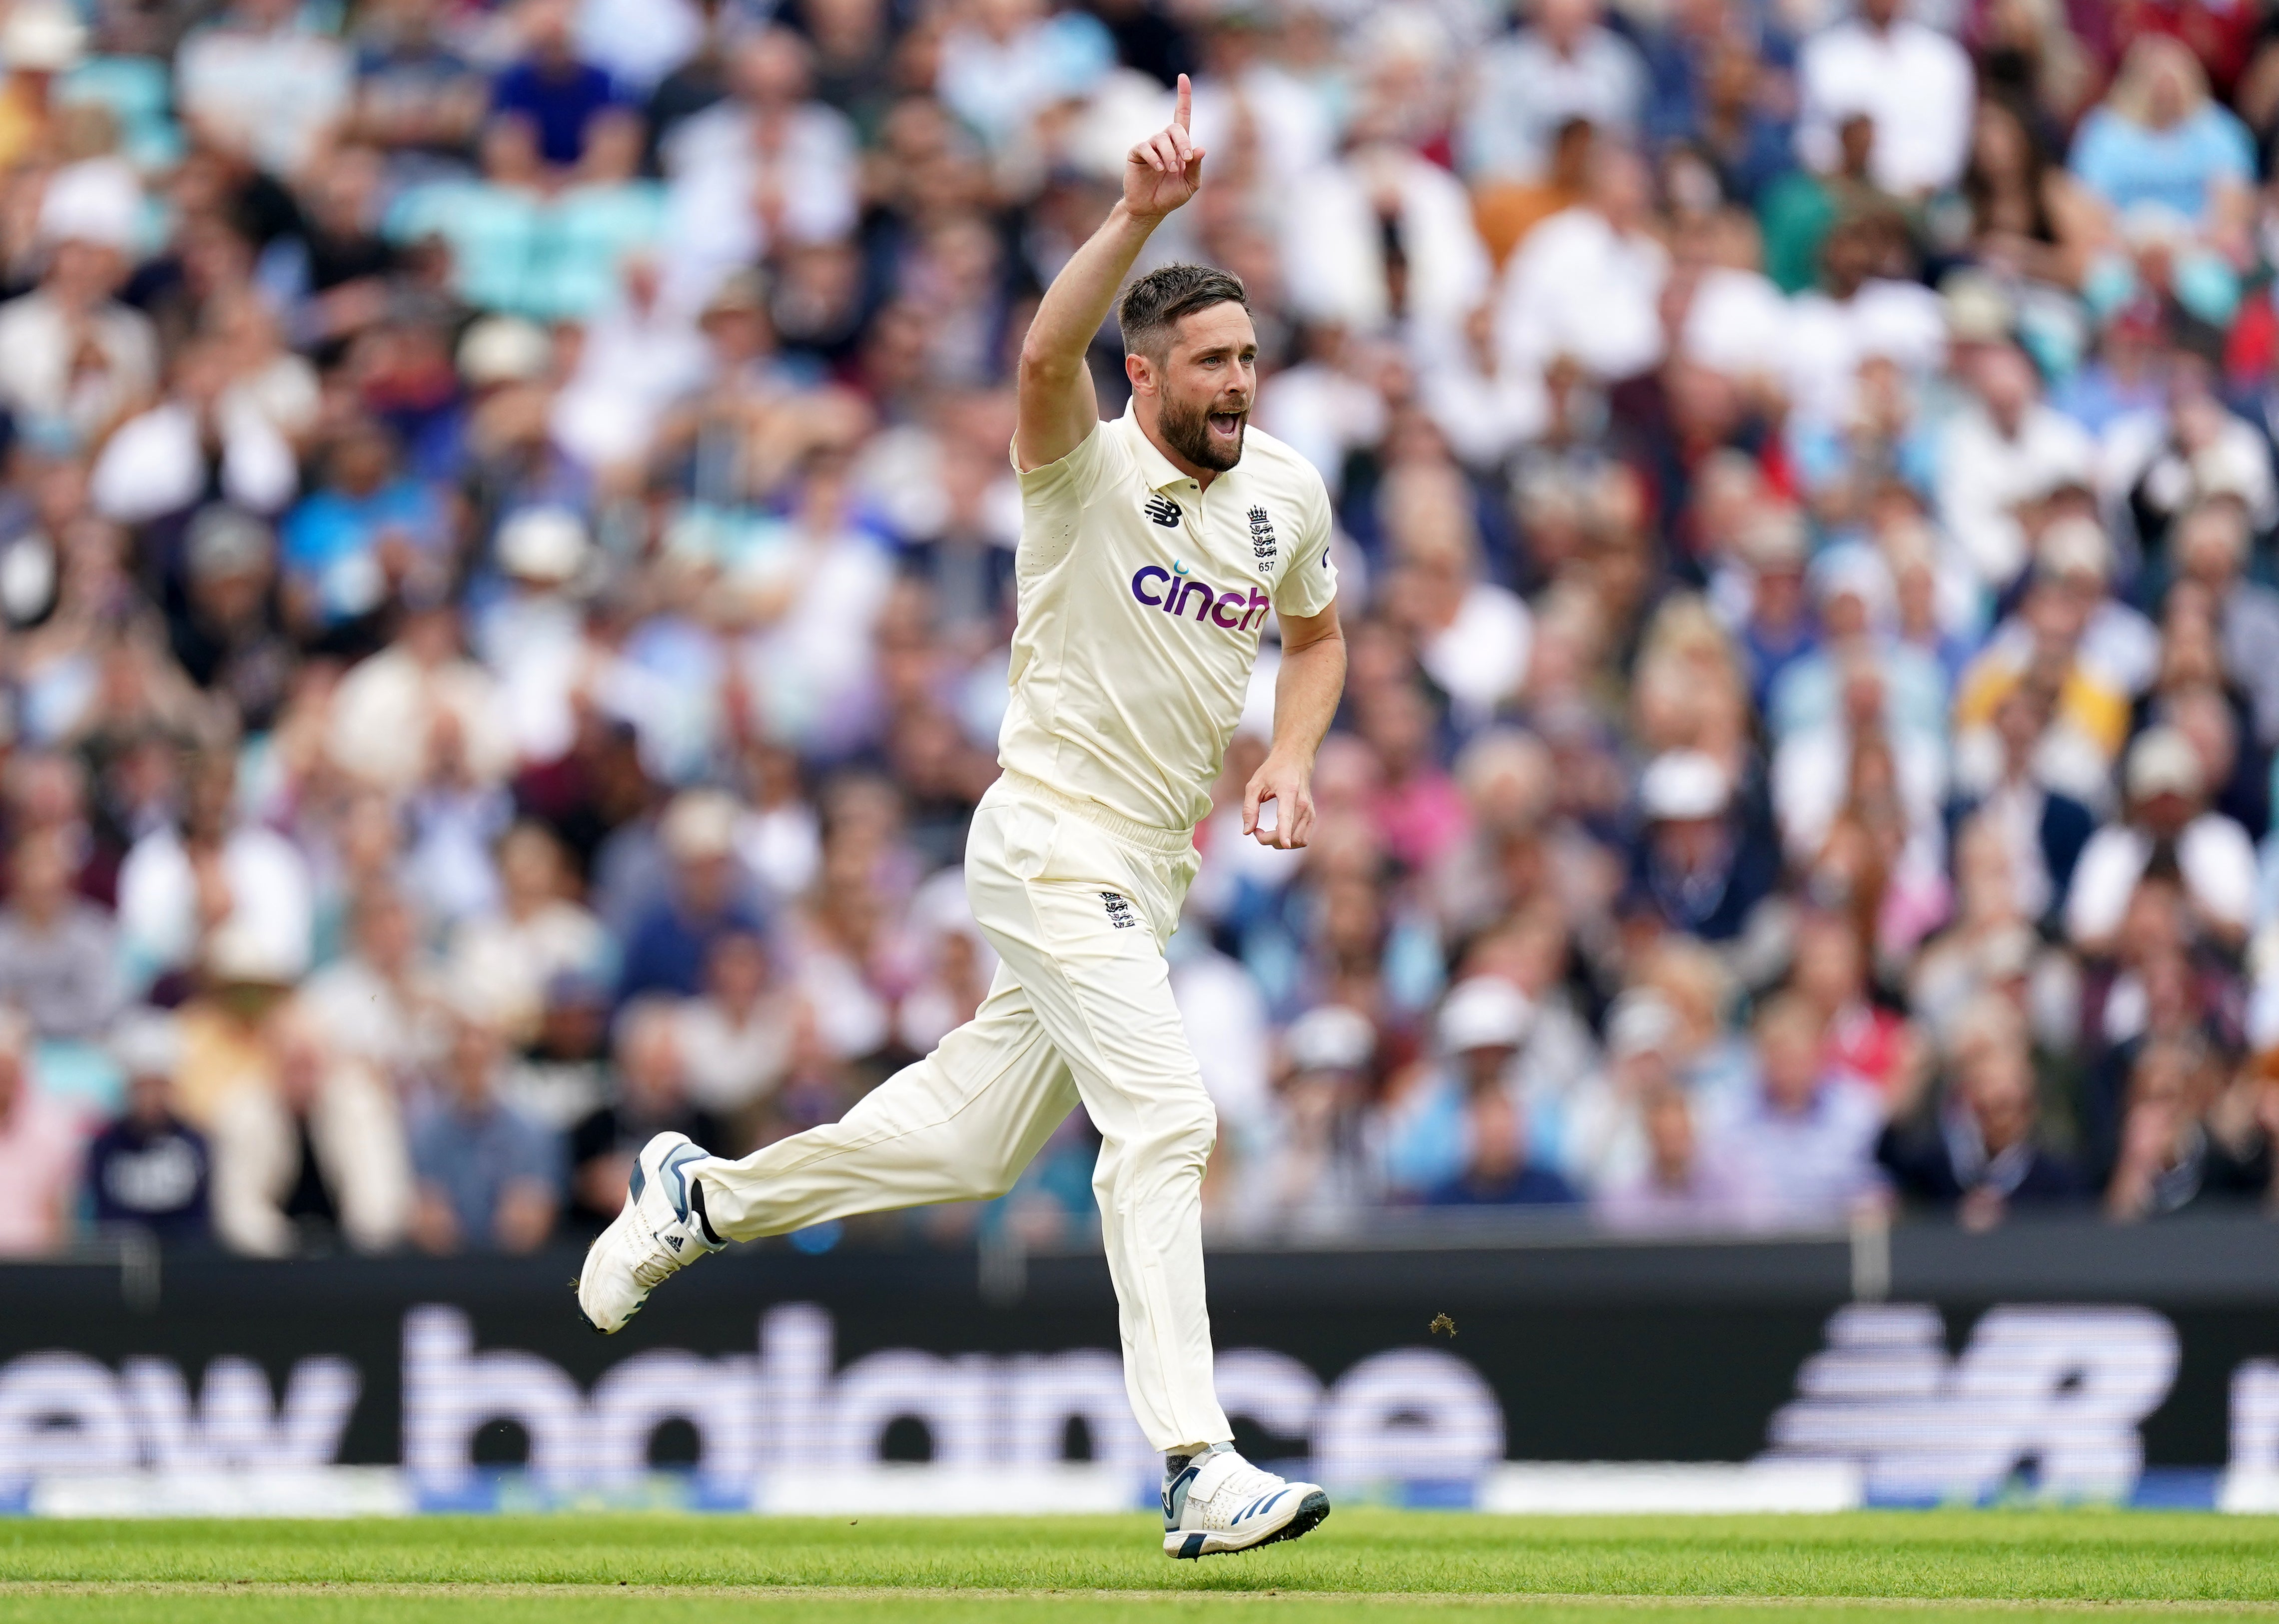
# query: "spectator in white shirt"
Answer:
x=1587 y=282
x=178 y=888
x=2010 y=449
x=1473 y=637
x=2169 y=822
x=768 y=166
x=1005 y=61
x=255 y=81
x=1862 y=310
x=1913 y=82
x=71 y=358
x=168 y=459
x=1567 y=64
x=1382 y=237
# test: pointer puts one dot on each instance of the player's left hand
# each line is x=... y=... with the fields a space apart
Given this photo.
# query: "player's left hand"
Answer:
x=1289 y=784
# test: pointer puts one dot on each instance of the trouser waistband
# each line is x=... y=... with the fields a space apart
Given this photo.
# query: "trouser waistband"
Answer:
x=1171 y=843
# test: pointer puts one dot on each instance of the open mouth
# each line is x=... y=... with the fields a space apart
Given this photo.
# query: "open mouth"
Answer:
x=1227 y=423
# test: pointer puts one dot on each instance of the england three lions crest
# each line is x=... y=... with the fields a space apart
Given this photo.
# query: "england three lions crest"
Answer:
x=1262 y=540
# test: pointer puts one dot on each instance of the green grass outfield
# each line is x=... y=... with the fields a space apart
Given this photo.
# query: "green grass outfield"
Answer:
x=1378 y=1567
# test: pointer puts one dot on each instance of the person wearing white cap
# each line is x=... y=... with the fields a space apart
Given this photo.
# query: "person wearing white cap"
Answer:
x=147 y=1168
x=1311 y=1175
x=1484 y=1023
x=1606 y=1142
x=1700 y=865
x=72 y=356
x=2167 y=785
x=40 y=40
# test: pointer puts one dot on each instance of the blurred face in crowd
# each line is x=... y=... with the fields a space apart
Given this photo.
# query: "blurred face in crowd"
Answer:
x=2006 y=385
x=212 y=808
x=2210 y=541
x=737 y=972
x=473 y=1056
x=42 y=873
x=530 y=867
x=648 y=1060
x=1669 y=1136
x=2020 y=720
x=1485 y=1068
x=1788 y=1052
x=2000 y=1093
x=386 y=931
x=149 y=1098
x=1198 y=392
x=1498 y=1134
x=1831 y=970
x=1690 y=845
x=771 y=70
x=298 y=1054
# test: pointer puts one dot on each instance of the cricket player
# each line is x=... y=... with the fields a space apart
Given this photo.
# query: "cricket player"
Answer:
x=1152 y=548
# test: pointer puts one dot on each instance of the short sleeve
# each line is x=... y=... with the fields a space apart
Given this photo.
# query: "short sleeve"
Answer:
x=1310 y=583
x=1078 y=472
x=1053 y=500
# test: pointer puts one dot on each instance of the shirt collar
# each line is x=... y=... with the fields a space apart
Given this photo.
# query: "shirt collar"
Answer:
x=1154 y=467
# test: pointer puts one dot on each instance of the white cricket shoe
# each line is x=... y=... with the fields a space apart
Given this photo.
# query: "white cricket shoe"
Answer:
x=1219 y=1502
x=655 y=1234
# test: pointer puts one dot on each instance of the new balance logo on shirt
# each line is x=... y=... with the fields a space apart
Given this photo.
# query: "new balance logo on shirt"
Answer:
x=1164 y=511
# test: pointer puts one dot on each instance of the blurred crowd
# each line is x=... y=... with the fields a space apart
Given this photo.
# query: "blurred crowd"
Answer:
x=506 y=555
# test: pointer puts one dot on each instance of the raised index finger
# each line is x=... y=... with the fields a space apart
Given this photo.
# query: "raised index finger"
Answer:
x=1186 y=102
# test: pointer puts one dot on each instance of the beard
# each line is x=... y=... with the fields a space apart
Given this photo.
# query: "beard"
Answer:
x=1186 y=429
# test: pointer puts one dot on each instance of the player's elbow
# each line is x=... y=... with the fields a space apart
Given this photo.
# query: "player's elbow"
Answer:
x=1046 y=366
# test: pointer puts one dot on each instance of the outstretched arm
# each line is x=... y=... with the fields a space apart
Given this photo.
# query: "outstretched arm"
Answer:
x=1057 y=406
x=1305 y=691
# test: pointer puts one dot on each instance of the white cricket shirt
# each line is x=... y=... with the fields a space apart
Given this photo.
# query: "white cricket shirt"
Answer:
x=1141 y=599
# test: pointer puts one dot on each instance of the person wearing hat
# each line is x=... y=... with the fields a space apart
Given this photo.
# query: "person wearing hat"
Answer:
x=1701 y=865
x=147 y=1168
x=1606 y=1144
x=707 y=897
x=73 y=359
x=2169 y=824
x=1311 y=1176
x=227 y=628
x=41 y=41
x=1482 y=1026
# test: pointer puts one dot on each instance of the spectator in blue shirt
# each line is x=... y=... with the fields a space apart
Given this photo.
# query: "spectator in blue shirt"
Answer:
x=489 y=1178
x=704 y=901
x=351 y=545
x=556 y=93
x=1497 y=1170
x=2158 y=141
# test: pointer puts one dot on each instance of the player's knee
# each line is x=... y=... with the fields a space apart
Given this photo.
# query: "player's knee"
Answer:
x=1185 y=1128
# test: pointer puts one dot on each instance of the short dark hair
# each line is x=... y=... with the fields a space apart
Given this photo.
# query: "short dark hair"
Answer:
x=1152 y=306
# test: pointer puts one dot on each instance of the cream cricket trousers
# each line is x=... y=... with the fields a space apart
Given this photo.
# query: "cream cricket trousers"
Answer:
x=1079 y=906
